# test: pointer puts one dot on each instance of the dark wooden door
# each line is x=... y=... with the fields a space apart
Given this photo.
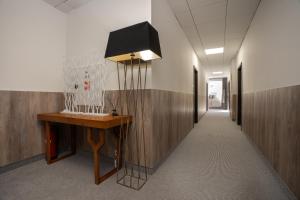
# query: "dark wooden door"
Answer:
x=240 y=96
x=195 y=95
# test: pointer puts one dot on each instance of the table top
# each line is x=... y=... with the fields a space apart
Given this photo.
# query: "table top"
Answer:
x=93 y=121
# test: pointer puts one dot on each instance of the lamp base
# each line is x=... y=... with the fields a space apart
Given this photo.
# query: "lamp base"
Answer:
x=132 y=182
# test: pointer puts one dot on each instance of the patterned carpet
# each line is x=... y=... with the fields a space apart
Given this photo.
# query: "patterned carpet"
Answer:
x=214 y=162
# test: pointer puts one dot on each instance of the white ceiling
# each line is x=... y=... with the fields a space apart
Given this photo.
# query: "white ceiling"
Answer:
x=215 y=23
x=66 y=5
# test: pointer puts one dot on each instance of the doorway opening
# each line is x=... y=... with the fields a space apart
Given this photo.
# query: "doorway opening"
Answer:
x=217 y=93
x=195 y=95
x=240 y=95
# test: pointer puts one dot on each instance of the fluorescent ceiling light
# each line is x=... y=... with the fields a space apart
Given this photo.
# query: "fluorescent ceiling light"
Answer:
x=214 y=51
x=217 y=73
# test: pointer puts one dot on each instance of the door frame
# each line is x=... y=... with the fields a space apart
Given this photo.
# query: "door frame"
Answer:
x=224 y=104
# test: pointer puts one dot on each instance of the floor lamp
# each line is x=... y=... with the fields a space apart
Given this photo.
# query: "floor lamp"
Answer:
x=132 y=48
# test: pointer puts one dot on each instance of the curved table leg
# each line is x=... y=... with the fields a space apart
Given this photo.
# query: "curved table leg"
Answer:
x=96 y=146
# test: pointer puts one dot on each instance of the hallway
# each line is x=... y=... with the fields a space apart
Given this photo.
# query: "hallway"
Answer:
x=215 y=161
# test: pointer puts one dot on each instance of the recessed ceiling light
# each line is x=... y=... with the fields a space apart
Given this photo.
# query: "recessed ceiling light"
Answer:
x=217 y=73
x=214 y=51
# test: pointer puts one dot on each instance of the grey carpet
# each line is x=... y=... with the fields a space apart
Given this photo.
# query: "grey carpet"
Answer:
x=215 y=161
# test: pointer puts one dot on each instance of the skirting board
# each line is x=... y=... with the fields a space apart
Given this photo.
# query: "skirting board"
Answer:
x=21 y=163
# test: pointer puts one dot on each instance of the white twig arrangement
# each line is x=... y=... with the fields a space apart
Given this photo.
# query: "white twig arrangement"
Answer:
x=85 y=80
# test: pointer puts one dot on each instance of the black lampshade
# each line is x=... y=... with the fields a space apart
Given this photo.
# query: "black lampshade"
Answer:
x=137 y=41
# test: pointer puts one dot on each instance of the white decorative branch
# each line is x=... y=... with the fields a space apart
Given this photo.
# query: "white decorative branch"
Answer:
x=85 y=79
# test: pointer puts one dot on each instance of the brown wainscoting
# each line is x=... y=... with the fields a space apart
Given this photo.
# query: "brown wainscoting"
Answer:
x=113 y=96
x=20 y=132
x=168 y=119
x=271 y=119
x=172 y=121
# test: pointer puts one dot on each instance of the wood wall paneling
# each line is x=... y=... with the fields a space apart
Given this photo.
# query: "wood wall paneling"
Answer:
x=21 y=135
x=113 y=96
x=168 y=119
x=172 y=121
x=271 y=120
x=4 y=114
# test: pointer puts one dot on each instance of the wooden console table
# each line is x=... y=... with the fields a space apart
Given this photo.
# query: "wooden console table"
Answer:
x=90 y=122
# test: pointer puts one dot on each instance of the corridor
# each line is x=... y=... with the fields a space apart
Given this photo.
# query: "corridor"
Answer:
x=215 y=161
x=89 y=90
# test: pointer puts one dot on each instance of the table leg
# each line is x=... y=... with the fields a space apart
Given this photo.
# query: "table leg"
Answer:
x=47 y=142
x=73 y=139
x=96 y=146
x=50 y=140
x=118 y=147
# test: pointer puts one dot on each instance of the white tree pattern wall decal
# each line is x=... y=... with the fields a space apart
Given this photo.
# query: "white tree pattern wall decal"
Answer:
x=85 y=79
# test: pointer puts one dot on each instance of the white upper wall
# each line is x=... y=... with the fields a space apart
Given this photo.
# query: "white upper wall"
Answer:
x=32 y=46
x=175 y=71
x=35 y=38
x=233 y=76
x=270 y=51
x=89 y=27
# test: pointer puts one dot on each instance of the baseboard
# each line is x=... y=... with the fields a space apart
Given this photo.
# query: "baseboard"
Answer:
x=21 y=163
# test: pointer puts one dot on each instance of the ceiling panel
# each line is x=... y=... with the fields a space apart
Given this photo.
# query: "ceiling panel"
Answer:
x=237 y=25
x=54 y=2
x=64 y=8
x=208 y=18
x=238 y=8
x=192 y=34
x=209 y=12
x=212 y=33
x=179 y=6
x=198 y=4
x=233 y=45
x=217 y=59
x=234 y=35
x=76 y=3
x=216 y=27
x=66 y=5
x=185 y=19
x=214 y=43
x=213 y=38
